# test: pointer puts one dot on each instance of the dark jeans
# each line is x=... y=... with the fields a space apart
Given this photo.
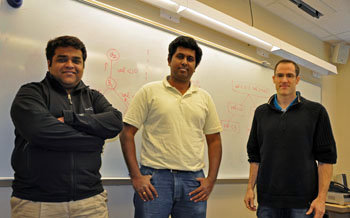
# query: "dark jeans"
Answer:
x=173 y=188
x=270 y=212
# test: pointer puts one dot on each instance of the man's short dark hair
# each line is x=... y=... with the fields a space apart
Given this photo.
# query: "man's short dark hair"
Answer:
x=64 y=41
x=286 y=61
x=185 y=42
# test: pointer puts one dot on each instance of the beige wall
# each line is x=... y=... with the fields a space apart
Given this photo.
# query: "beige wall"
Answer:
x=341 y=116
x=227 y=199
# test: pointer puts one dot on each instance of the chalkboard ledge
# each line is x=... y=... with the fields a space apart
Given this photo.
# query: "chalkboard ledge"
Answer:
x=110 y=181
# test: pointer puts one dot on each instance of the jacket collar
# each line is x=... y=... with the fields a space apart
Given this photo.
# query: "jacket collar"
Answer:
x=58 y=86
x=296 y=101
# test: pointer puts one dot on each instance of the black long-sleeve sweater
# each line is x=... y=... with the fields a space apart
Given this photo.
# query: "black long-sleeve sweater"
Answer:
x=54 y=161
x=287 y=145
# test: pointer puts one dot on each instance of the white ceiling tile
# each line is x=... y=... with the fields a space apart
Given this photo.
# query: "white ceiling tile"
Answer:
x=345 y=36
x=337 y=5
x=338 y=23
x=336 y=19
x=316 y=30
x=293 y=17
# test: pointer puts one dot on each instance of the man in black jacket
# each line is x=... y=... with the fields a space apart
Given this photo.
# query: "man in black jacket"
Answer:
x=291 y=151
x=60 y=127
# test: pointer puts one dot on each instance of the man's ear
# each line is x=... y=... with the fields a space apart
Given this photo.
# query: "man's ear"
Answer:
x=48 y=63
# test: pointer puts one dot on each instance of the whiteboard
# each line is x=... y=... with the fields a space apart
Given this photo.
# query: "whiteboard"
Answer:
x=123 y=55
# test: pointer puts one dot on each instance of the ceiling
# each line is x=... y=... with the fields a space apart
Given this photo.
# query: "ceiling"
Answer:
x=333 y=27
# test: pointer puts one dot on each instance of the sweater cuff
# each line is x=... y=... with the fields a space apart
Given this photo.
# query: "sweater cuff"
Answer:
x=68 y=116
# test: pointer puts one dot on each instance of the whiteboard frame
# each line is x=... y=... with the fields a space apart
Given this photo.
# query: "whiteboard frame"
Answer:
x=6 y=181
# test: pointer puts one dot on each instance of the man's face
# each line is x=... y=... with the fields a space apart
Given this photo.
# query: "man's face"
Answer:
x=67 y=66
x=285 y=79
x=182 y=64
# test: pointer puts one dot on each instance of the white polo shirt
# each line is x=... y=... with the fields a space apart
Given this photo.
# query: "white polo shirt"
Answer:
x=174 y=125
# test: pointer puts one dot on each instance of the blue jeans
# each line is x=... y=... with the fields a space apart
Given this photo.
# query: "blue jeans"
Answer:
x=270 y=212
x=173 y=189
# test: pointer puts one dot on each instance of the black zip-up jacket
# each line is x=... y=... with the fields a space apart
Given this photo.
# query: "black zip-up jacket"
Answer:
x=287 y=145
x=55 y=161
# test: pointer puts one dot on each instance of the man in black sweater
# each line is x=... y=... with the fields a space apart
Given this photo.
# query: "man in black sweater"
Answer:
x=291 y=152
x=61 y=125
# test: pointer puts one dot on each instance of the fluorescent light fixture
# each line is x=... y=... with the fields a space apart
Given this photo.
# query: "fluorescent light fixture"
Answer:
x=274 y=48
x=214 y=19
x=305 y=59
x=193 y=11
x=307 y=8
x=165 y=4
x=180 y=9
x=230 y=30
x=168 y=2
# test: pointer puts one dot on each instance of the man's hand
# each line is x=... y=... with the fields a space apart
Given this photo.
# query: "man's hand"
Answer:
x=61 y=119
x=318 y=206
x=143 y=186
x=203 y=191
x=250 y=195
x=249 y=200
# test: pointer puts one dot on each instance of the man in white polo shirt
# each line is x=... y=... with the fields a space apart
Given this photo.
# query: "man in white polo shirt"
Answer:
x=177 y=118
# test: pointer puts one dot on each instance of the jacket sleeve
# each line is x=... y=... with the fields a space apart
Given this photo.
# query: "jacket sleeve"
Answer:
x=253 y=147
x=324 y=143
x=39 y=127
x=106 y=122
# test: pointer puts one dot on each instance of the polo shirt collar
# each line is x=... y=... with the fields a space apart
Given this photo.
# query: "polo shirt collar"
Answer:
x=191 y=89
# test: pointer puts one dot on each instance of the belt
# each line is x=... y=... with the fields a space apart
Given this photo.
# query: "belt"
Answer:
x=176 y=171
x=171 y=170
